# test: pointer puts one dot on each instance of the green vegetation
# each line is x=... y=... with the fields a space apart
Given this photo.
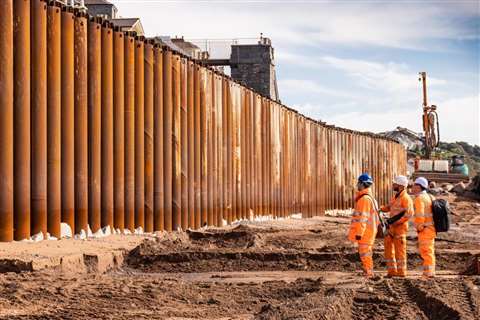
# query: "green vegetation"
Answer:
x=471 y=153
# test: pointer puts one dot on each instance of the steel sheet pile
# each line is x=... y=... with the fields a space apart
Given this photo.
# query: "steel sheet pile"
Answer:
x=103 y=128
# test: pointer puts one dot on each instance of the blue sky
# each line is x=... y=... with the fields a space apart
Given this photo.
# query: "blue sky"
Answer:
x=351 y=63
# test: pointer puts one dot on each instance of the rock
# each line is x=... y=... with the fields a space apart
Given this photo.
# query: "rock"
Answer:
x=436 y=191
x=81 y=236
x=447 y=187
x=107 y=231
x=459 y=188
x=38 y=237
x=65 y=230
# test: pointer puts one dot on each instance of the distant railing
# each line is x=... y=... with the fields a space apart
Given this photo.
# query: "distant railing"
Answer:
x=222 y=48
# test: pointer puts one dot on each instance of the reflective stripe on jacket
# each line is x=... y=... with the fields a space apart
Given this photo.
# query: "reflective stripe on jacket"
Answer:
x=423 y=218
x=398 y=204
x=364 y=218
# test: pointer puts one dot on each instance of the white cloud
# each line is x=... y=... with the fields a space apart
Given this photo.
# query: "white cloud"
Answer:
x=392 y=78
x=389 y=24
x=459 y=119
x=380 y=95
x=307 y=86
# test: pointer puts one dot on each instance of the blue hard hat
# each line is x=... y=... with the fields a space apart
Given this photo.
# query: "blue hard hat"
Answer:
x=365 y=178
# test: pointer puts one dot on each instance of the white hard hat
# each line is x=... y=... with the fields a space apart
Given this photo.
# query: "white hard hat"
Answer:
x=422 y=182
x=401 y=180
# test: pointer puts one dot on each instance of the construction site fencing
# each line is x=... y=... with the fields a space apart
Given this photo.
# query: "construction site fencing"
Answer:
x=100 y=127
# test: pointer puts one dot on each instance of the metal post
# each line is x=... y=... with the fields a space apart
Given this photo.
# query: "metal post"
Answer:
x=54 y=120
x=118 y=130
x=94 y=123
x=183 y=143
x=81 y=123
x=197 y=147
x=148 y=135
x=129 y=107
x=158 y=123
x=213 y=151
x=167 y=137
x=176 y=145
x=219 y=116
x=203 y=146
x=191 y=144
x=107 y=168
x=68 y=118
x=6 y=120
x=139 y=135
x=227 y=157
x=39 y=117
x=21 y=118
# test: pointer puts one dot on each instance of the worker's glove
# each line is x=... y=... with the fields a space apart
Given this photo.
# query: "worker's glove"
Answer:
x=358 y=238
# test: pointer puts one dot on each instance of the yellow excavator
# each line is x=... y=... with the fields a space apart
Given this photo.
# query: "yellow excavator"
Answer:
x=433 y=169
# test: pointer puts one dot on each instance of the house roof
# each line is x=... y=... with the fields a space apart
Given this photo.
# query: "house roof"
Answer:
x=184 y=44
x=87 y=2
x=125 y=22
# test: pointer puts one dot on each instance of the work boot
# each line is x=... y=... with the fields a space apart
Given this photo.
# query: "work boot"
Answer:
x=428 y=276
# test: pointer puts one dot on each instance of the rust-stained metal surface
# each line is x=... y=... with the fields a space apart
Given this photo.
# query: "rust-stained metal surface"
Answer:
x=107 y=159
x=21 y=118
x=54 y=120
x=167 y=139
x=129 y=107
x=6 y=120
x=81 y=122
x=184 y=142
x=39 y=116
x=158 y=146
x=148 y=135
x=139 y=129
x=68 y=116
x=94 y=123
x=176 y=144
x=118 y=130
x=140 y=136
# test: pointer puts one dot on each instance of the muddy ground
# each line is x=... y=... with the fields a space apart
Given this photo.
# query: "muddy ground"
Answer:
x=289 y=269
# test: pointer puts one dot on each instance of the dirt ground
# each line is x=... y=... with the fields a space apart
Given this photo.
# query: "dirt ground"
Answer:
x=284 y=269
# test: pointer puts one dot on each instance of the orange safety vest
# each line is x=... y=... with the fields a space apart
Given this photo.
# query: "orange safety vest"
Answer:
x=423 y=218
x=398 y=204
x=364 y=218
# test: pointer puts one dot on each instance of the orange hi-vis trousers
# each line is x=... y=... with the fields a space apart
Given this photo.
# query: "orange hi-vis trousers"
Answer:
x=364 y=226
x=423 y=221
x=426 y=248
x=396 y=254
x=365 y=252
x=395 y=243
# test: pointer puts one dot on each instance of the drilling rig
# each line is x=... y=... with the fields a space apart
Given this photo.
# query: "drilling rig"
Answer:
x=431 y=128
x=433 y=169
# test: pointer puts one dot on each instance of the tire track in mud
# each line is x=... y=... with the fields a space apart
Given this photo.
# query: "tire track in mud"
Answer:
x=457 y=295
x=374 y=302
x=416 y=299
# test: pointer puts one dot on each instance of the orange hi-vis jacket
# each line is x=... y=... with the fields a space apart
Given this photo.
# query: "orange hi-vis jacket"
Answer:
x=398 y=204
x=423 y=218
x=364 y=218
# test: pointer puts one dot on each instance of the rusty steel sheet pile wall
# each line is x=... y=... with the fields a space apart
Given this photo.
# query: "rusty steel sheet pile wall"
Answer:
x=104 y=128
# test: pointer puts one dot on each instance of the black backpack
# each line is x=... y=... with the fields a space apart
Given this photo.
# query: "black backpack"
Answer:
x=441 y=214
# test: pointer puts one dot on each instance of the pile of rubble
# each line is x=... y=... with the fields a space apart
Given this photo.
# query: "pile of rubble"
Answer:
x=470 y=190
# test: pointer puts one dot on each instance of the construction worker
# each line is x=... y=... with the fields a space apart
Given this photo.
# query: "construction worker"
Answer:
x=363 y=228
x=395 y=241
x=423 y=221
